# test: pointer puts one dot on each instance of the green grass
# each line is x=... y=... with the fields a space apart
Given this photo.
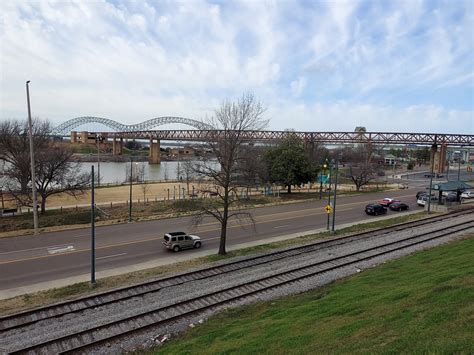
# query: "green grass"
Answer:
x=422 y=303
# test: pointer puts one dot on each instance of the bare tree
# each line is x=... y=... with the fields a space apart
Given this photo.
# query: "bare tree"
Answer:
x=14 y=149
x=187 y=170
x=137 y=174
x=145 y=188
x=55 y=173
x=231 y=120
x=361 y=170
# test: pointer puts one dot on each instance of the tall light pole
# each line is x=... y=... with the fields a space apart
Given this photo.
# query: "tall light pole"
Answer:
x=329 y=191
x=334 y=198
x=130 y=202
x=98 y=139
x=459 y=163
x=92 y=229
x=32 y=161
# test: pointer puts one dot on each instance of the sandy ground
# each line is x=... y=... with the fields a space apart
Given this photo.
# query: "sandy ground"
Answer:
x=151 y=191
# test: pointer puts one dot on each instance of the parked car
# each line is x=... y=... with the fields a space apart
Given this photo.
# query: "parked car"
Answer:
x=451 y=196
x=420 y=193
x=387 y=201
x=375 y=209
x=467 y=194
x=435 y=175
x=423 y=199
x=177 y=241
x=398 y=206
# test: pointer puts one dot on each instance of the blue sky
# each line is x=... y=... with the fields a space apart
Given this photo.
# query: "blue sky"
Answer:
x=316 y=65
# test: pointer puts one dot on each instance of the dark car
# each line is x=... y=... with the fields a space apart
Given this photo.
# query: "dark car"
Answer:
x=375 y=209
x=451 y=197
x=420 y=193
x=398 y=206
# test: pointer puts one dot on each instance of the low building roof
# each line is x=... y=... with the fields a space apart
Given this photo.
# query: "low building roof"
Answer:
x=452 y=186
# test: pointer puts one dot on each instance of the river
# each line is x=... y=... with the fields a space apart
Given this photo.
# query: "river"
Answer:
x=111 y=172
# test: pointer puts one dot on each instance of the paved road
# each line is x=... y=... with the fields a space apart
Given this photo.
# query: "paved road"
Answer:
x=29 y=260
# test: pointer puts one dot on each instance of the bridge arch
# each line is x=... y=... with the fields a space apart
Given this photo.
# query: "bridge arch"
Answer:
x=69 y=125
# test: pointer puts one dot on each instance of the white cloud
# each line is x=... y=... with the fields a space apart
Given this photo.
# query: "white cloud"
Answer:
x=135 y=60
x=298 y=85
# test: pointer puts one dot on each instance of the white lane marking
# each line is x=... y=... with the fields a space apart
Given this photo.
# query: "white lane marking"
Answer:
x=283 y=226
x=63 y=249
x=110 y=256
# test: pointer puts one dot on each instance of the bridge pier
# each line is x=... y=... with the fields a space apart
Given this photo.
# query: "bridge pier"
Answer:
x=117 y=146
x=154 y=156
x=438 y=158
x=73 y=137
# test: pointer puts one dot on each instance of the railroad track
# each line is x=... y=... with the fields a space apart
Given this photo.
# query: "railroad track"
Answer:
x=108 y=297
x=112 y=330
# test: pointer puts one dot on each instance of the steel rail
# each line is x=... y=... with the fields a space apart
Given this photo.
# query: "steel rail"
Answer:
x=85 y=335
x=97 y=300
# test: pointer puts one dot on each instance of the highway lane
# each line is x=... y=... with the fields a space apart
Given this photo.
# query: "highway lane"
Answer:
x=29 y=259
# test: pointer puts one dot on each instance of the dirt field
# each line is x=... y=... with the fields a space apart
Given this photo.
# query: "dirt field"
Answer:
x=152 y=191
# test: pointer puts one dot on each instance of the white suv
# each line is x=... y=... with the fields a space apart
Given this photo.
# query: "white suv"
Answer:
x=423 y=199
x=179 y=240
x=467 y=194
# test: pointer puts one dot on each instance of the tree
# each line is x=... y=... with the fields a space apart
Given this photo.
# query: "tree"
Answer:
x=186 y=170
x=54 y=170
x=288 y=164
x=15 y=150
x=360 y=168
x=231 y=120
x=55 y=173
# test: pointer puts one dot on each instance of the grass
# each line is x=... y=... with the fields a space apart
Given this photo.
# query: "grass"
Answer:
x=19 y=303
x=423 y=303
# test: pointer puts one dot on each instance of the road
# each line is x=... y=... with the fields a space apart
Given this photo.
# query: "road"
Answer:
x=29 y=260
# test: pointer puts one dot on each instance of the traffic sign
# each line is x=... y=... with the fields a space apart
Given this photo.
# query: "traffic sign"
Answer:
x=328 y=209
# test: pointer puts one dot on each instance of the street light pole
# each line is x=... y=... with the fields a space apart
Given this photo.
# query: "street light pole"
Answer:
x=334 y=199
x=329 y=192
x=98 y=159
x=92 y=229
x=459 y=164
x=130 y=202
x=32 y=162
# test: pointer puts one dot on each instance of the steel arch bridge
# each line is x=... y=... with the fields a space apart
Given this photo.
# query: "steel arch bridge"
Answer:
x=69 y=125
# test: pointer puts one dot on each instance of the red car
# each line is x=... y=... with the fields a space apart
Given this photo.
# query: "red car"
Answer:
x=387 y=201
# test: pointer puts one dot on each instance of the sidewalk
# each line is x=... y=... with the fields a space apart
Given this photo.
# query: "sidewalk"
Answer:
x=171 y=259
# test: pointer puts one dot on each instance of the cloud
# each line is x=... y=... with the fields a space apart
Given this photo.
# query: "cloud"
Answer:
x=131 y=61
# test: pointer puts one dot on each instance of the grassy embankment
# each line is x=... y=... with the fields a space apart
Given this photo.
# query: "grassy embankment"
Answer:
x=422 y=303
x=19 y=303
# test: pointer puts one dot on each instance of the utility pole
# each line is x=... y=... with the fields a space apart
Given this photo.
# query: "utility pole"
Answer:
x=431 y=184
x=32 y=162
x=459 y=164
x=130 y=202
x=98 y=139
x=334 y=198
x=92 y=229
x=329 y=192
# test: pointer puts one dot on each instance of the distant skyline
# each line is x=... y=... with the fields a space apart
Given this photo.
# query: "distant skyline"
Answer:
x=316 y=65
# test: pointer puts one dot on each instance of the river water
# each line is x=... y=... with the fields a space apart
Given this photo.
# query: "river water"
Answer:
x=111 y=172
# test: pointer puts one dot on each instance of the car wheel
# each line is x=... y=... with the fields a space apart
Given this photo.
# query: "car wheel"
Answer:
x=176 y=248
x=197 y=245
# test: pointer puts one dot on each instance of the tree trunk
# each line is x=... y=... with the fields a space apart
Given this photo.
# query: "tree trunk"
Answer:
x=289 y=189
x=222 y=243
x=225 y=216
x=43 y=204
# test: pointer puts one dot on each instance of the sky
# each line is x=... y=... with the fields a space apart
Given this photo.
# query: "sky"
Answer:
x=392 y=66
